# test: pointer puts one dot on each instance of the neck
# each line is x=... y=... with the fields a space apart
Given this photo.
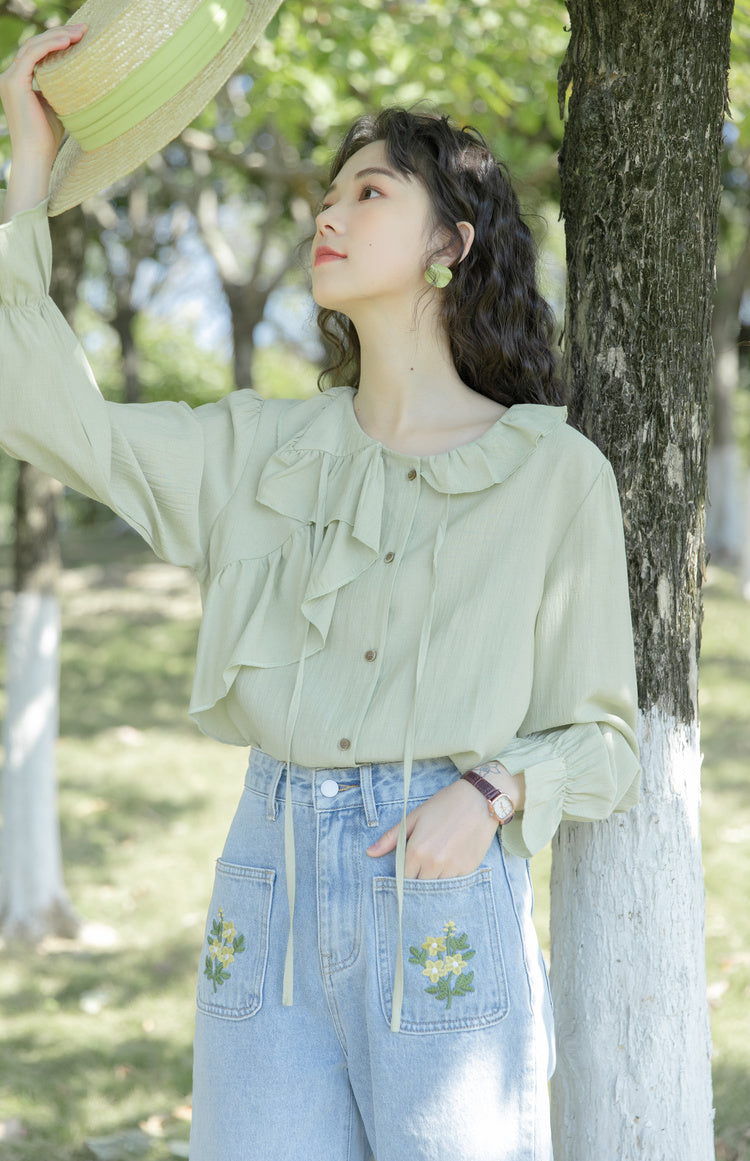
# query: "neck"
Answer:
x=408 y=383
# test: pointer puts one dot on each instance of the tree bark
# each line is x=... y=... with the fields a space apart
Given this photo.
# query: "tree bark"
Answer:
x=640 y=178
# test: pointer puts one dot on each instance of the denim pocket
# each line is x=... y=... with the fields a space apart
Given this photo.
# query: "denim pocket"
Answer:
x=454 y=974
x=235 y=948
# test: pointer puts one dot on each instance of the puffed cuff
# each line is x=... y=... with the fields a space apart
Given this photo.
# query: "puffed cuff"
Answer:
x=25 y=256
x=569 y=774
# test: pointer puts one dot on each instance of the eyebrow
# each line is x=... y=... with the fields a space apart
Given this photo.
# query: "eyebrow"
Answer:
x=368 y=173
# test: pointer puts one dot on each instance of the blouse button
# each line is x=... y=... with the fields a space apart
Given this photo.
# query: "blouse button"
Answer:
x=411 y=475
x=371 y=654
x=344 y=744
x=389 y=557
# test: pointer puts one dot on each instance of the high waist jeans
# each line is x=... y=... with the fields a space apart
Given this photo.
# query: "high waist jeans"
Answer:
x=326 y=1079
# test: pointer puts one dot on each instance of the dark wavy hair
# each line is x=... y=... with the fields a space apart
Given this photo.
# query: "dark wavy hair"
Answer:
x=500 y=328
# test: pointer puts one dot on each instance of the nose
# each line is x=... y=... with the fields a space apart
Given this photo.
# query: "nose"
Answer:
x=327 y=221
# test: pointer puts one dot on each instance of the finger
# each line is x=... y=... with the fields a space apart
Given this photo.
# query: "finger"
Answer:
x=386 y=842
x=34 y=50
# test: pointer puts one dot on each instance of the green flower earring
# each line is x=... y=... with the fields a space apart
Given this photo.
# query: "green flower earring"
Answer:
x=438 y=275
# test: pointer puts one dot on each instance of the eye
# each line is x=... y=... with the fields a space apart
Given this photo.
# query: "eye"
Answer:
x=369 y=192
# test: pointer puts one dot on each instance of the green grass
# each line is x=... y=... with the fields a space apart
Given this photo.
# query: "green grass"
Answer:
x=96 y=1039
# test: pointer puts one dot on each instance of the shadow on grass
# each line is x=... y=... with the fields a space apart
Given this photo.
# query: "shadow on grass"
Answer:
x=89 y=842
x=117 y=672
x=732 y=1095
x=58 y=1079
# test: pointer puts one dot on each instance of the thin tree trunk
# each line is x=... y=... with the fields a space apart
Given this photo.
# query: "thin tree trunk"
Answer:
x=640 y=194
x=724 y=523
x=123 y=323
x=33 y=899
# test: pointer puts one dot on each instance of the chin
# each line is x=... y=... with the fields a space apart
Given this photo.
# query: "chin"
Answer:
x=327 y=301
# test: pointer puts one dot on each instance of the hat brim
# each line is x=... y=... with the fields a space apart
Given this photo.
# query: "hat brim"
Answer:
x=77 y=175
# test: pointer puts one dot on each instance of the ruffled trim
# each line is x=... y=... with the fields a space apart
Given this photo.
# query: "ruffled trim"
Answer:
x=497 y=454
x=565 y=778
x=334 y=432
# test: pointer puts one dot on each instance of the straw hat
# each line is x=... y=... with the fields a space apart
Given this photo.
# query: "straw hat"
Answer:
x=143 y=71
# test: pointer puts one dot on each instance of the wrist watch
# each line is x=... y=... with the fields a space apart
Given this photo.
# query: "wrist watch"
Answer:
x=500 y=805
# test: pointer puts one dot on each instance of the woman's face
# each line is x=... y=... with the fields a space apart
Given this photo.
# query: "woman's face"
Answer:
x=373 y=232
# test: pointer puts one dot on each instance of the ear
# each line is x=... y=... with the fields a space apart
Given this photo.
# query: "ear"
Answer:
x=466 y=230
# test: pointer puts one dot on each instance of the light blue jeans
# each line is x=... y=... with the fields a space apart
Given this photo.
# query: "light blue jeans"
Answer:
x=326 y=1080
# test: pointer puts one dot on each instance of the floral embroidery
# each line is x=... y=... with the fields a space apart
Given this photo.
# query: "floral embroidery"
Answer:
x=448 y=970
x=434 y=946
x=434 y=970
x=223 y=945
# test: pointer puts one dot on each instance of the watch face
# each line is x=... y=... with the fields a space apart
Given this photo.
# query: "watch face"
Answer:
x=503 y=808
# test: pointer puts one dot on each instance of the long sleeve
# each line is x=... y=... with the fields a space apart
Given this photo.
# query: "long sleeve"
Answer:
x=147 y=462
x=577 y=746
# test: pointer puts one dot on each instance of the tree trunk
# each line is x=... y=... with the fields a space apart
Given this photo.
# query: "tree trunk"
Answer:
x=640 y=194
x=33 y=899
x=724 y=524
x=123 y=323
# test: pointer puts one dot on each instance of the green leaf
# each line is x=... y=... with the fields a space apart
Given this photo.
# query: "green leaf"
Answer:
x=239 y=944
x=468 y=953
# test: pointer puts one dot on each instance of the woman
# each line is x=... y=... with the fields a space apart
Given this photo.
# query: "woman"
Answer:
x=414 y=577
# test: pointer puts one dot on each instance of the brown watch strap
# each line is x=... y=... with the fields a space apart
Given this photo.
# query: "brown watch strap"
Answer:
x=484 y=787
x=491 y=793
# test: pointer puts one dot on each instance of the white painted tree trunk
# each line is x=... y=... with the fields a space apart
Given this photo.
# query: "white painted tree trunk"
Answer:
x=33 y=900
x=628 y=969
x=724 y=515
x=745 y=579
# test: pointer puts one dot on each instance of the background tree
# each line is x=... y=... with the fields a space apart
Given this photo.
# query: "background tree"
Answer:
x=33 y=899
x=640 y=173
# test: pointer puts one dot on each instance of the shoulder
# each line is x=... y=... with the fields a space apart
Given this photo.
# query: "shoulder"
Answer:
x=244 y=414
x=569 y=458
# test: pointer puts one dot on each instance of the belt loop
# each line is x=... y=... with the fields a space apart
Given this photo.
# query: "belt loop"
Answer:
x=272 y=806
x=368 y=798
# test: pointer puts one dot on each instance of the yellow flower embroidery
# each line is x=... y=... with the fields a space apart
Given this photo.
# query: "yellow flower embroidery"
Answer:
x=446 y=975
x=223 y=945
x=226 y=956
x=434 y=969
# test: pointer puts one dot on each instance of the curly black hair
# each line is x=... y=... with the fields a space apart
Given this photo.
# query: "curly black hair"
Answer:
x=500 y=328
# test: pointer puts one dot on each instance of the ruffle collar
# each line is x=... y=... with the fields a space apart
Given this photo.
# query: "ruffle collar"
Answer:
x=355 y=461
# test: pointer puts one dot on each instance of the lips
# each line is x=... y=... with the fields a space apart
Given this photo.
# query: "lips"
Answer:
x=326 y=254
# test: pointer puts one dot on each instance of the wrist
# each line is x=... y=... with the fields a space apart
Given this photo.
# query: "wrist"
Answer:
x=28 y=185
x=514 y=785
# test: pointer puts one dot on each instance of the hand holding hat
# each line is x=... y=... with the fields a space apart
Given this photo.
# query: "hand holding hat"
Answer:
x=140 y=74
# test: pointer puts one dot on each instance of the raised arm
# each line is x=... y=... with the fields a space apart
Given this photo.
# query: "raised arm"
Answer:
x=165 y=469
x=35 y=129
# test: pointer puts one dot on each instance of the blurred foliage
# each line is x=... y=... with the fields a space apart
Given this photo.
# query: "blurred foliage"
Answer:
x=319 y=66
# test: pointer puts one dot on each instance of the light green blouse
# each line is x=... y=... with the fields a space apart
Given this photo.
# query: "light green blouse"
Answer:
x=360 y=605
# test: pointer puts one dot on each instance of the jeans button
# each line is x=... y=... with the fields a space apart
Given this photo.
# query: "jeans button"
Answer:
x=329 y=788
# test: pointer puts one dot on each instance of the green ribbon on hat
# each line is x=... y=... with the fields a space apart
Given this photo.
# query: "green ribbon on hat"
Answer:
x=169 y=70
